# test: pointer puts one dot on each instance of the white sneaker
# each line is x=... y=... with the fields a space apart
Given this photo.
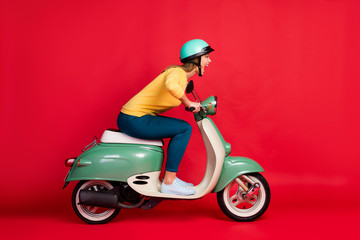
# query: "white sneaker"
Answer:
x=177 y=188
x=185 y=183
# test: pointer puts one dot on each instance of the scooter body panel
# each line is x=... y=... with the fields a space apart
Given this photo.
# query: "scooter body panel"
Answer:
x=234 y=167
x=227 y=146
x=116 y=162
x=148 y=184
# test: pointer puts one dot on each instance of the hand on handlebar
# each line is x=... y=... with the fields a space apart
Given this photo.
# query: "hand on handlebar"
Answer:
x=193 y=107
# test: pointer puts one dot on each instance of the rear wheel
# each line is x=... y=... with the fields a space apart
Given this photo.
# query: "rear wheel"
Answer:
x=236 y=205
x=91 y=214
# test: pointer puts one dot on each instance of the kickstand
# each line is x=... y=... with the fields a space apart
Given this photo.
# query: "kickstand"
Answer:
x=151 y=203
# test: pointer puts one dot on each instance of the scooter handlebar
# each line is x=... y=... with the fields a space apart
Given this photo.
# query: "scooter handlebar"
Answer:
x=190 y=109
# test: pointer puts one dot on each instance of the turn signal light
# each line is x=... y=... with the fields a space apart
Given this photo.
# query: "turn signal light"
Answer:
x=69 y=162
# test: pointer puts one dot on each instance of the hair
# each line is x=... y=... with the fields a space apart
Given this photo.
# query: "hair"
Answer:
x=187 y=67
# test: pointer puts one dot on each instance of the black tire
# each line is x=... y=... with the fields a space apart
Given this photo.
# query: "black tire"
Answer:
x=89 y=214
x=238 y=208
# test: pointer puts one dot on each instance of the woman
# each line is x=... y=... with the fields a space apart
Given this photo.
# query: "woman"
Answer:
x=139 y=117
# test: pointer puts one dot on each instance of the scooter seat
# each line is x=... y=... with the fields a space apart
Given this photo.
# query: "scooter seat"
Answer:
x=115 y=136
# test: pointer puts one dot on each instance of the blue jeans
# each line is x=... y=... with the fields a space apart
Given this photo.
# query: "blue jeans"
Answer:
x=158 y=127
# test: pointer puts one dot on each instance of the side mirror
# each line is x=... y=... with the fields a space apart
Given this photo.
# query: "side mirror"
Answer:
x=190 y=87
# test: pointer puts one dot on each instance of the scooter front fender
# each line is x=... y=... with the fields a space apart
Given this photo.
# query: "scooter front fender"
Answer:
x=234 y=167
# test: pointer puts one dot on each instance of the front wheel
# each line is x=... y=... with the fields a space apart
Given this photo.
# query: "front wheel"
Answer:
x=91 y=214
x=236 y=205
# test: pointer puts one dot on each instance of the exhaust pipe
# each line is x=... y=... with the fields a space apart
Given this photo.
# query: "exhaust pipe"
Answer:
x=99 y=199
x=104 y=199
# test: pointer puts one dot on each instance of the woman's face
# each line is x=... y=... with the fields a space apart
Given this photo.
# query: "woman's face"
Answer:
x=205 y=60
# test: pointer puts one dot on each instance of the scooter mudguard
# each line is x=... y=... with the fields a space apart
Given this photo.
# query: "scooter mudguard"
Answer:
x=234 y=167
x=115 y=162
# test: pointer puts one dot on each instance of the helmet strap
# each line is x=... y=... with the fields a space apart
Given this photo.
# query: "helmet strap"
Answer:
x=200 y=73
x=199 y=65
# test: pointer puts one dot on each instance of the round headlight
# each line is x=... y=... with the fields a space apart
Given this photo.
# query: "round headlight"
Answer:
x=211 y=105
x=215 y=100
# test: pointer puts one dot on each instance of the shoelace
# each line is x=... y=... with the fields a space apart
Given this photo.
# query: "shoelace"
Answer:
x=182 y=182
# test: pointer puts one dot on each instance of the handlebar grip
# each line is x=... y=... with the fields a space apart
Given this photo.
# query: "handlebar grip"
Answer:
x=190 y=109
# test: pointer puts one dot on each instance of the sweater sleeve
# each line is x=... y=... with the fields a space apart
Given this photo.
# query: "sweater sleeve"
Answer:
x=172 y=84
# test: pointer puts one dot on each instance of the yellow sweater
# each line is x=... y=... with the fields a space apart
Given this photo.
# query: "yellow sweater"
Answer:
x=162 y=94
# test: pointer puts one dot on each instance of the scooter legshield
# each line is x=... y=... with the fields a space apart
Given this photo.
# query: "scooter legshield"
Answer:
x=115 y=162
x=234 y=167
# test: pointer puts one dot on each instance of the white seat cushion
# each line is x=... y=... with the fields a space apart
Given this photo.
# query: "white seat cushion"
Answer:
x=115 y=136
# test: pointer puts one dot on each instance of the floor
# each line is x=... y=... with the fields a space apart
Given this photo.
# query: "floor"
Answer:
x=320 y=214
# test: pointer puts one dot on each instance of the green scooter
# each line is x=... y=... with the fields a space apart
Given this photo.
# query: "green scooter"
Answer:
x=123 y=172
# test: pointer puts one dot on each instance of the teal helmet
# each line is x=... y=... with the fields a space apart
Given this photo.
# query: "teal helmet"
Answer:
x=194 y=49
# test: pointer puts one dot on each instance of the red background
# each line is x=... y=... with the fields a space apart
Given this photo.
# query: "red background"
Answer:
x=286 y=74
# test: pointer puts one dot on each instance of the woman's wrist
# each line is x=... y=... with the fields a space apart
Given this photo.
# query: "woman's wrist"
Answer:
x=185 y=101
